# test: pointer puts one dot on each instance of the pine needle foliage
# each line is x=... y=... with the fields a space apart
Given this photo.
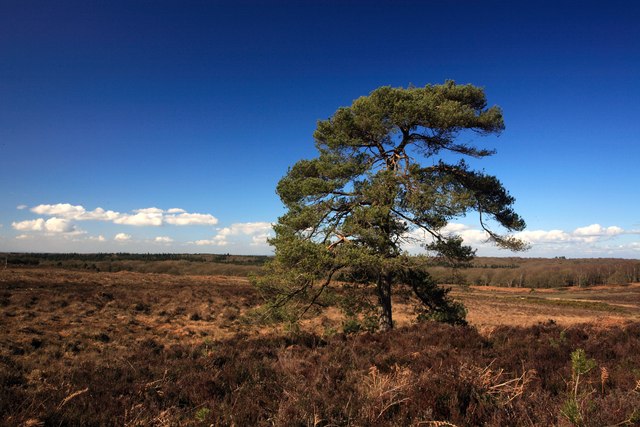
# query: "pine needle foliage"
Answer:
x=384 y=178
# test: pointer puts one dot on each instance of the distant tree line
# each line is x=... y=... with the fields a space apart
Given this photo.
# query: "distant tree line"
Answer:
x=508 y=272
x=48 y=258
x=542 y=272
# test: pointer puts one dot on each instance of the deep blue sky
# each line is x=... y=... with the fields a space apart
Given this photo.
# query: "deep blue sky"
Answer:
x=202 y=106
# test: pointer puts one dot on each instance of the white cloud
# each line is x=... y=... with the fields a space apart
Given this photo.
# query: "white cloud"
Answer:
x=206 y=242
x=122 y=237
x=454 y=227
x=257 y=231
x=474 y=237
x=416 y=237
x=143 y=217
x=246 y=228
x=99 y=214
x=544 y=236
x=152 y=216
x=594 y=230
x=99 y=238
x=191 y=219
x=21 y=207
x=589 y=240
x=65 y=210
x=52 y=225
x=253 y=229
x=24 y=236
x=259 y=239
x=589 y=234
x=152 y=210
x=589 y=230
x=76 y=212
x=163 y=239
x=214 y=241
x=29 y=225
x=59 y=225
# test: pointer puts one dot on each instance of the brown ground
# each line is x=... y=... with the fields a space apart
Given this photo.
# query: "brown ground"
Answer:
x=67 y=311
x=152 y=346
x=605 y=305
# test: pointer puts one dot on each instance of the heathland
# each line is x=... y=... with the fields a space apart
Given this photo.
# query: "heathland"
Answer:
x=120 y=339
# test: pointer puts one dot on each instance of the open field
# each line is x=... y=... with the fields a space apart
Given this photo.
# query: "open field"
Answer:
x=506 y=272
x=126 y=348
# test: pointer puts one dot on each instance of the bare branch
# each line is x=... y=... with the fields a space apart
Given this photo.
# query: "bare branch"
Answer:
x=317 y=295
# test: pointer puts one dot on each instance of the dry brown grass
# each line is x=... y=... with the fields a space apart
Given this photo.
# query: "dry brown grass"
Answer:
x=115 y=308
x=168 y=346
x=490 y=307
x=111 y=309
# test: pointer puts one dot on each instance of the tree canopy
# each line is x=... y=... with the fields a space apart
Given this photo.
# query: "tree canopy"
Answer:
x=390 y=172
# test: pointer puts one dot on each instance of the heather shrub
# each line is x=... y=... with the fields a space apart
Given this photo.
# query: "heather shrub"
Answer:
x=130 y=373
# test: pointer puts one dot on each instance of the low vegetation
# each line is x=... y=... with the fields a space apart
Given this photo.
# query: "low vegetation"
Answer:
x=542 y=272
x=176 y=264
x=98 y=348
x=422 y=374
x=507 y=272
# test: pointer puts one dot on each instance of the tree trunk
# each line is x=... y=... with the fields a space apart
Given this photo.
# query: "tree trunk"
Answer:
x=384 y=300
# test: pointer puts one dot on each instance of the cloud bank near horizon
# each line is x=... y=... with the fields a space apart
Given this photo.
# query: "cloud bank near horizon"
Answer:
x=259 y=232
x=64 y=216
x=57 y=228
x=590 y=240
x=61 y=222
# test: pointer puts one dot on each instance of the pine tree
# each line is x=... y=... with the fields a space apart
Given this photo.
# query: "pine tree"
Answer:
x=383 y=177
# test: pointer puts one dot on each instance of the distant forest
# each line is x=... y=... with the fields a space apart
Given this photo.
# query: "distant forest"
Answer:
x=542 y=272
x=511 y=272
x=45 y=258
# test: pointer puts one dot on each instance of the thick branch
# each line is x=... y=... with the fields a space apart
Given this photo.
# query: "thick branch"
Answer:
x=341 y=239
